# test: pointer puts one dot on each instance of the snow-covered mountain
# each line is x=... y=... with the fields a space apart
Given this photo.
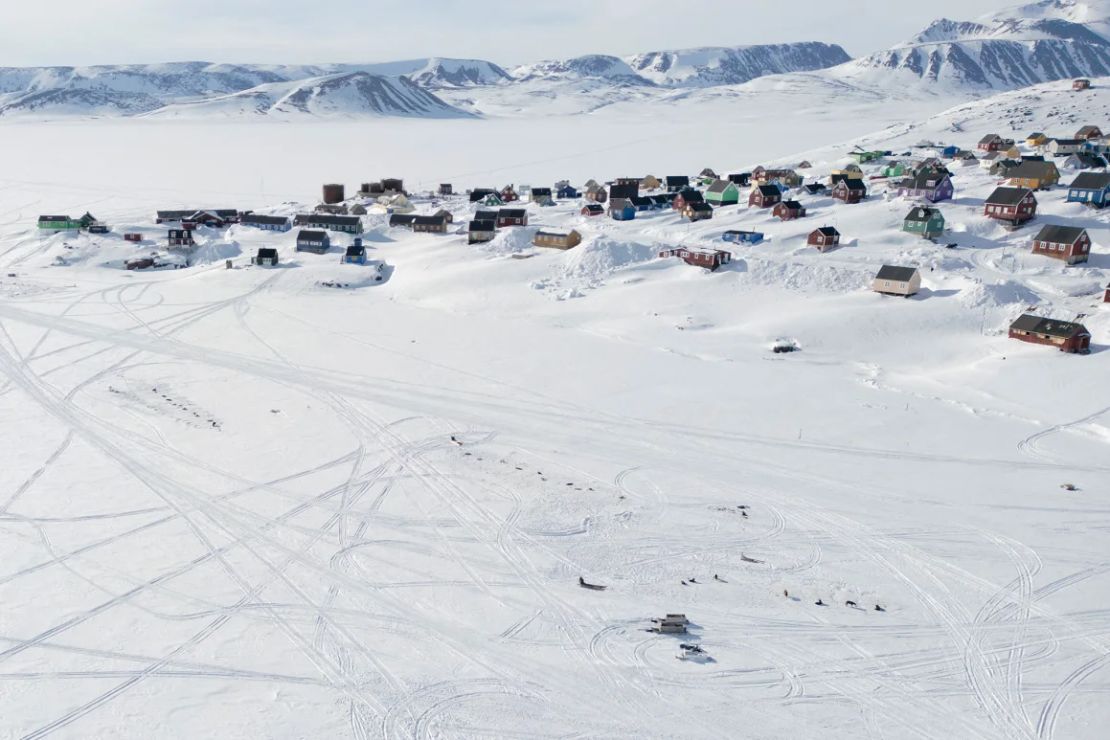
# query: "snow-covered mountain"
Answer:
x=1018 y=47
x=349 y=94
x=590 y=67
x=713 y=66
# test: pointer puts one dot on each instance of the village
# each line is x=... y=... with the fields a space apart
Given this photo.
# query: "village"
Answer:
x=1025 y=173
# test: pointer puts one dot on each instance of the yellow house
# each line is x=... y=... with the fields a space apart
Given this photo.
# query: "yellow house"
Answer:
x=1036 y=139
x=1034 y=175
x=1013 y=153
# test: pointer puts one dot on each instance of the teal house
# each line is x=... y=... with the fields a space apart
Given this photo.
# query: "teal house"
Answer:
x=925 y=222
x=58 y=223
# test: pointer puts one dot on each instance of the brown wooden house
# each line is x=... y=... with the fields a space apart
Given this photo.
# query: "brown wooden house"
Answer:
x=765 y=196
x=788 y=210
x=686 y=198
x=1067 y=336
x=698 y=212
x=1081 y=84
x=593 y=209
x=1087 y=133
x=430 y=224
x=1068 y=243
x=824 y=238
x=710 y=259
x=849 y=190
x=557 y=239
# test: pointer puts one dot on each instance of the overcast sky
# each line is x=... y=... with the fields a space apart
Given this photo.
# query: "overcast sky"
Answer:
x=77 y=32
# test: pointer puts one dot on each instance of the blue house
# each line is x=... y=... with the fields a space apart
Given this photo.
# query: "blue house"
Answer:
x=1090 y=188
x=743 y=237
x=949 y=151
x=355 y=255
x=621 y=209
x=566 y=193
x=267 y=223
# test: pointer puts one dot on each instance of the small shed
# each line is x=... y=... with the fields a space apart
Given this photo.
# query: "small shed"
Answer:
x=266 y=257
x=622 y=209
x=593 y=209
x=743 y=237
x=132 y=236
x=710 y=259
x=446 y=189
x=1067 y=336
x=310 y=240
x=509 y=194
x=566 y=192
x=355 y=254
x=698 y=212
x=894 y=280
x=1081 y=84
x=824 y=238
x=557 y=239
x=789 y=210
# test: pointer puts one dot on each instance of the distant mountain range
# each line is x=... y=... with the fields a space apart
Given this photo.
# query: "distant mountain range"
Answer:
x=1022 y=46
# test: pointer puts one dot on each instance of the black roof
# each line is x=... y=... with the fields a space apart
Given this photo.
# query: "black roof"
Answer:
x=481 y=215
x=920 y=179
x=853 y=183
x=1008 y=196
x=815 y=187
x=700 y=207
x=252 y=218
x=828 y=231
x=922 y=213
x=1069 y=142
x=593 y=207
x=1052 y=327
x=430 y=220
x=768 y=190
x=478 y=193
x=54 y=218
x=310 y=235
x=401 y=219
x=1060 y=234
x=675 y=180
x=356 y=250
x=1032 y=169
x=541 y=191
x=483 y=225
x=692 y=196
x=512 y=213
x=1091 y=181
x=267 y=253
x=897 y=274
x=792 y=205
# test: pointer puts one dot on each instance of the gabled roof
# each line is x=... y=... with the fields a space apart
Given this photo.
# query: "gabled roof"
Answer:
x=691 y=196
x=827 y=231
x=895 y=273
x=401 y=219
x=699 y=206
x=1004 y=196
x=483 y=225
x=852 y=183
x=1087 y=131
x=620 y=204
x=815 y=187
x=512 y=213
x=922 y=214
x=768 y=191
x=1033 y=169
x=1069 y=142
x=989 y=138
x=922 y=178
x=595 y=207
x=252 y=218
x=484 y=215
x=309 y=235
x=791 y=204
x=330 y=220
x=356 y=250
x=720 y=186
x=429 y=220
x=1052 y=327
x=1060 y=234
x=1091 y=181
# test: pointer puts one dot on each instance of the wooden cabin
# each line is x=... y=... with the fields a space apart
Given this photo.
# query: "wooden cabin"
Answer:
x=509 y=195
x=481 y=231
x=743 y=237
x=1071 y=244
x=1064 y=147
x=512 y=217
x=788 y=210
x=894 y=280
x=566 y=192
x=477 y=195
x=1013 y=206
x=596 y=194
x=993 y=143
x=430 y=224
x=698 y=212
x=710 y=259
x=824 y=238
x=1067 y=336
x=1091 y=189
x=723 y=193
x=765 y=196
x=266 y=257
x=132 y=236
x=311 y=240
x=925 y=222
x=557 y=239
x=593 y=209
x=850 y=190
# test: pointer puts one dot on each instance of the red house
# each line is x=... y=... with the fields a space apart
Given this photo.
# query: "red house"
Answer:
x=686 y=198
x=509 y=195
x=132 y=236
x=992 y=143
x=1014 y=206
x=1068 y=243
x=849 y=190
x=710 y=259
x=765 y=196
x=824 y=238
x=1106 y=296
x=1067 y=336
x=788 y=210
x=512 y=217
x=593 y=209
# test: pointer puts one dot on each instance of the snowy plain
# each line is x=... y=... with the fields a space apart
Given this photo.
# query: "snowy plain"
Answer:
x=231 y=506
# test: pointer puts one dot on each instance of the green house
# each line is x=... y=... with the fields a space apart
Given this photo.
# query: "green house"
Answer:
x=722 y=193
x=58 y=223
x=897 y=169
x=865 y=157
x=925 y=222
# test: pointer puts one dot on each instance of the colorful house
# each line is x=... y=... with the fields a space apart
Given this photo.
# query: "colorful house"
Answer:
x=1070 y=244
x=676 y=183
x=710 y=259
x=593 y=209
x=58 y=223
x=566 y=192
x=924 y=221
x=266 y=223
x=824 y=238
x=993 y=143
x=1088 y=132
x=1067 y=336
x=723 y=193
x=765 y=196
x=1035 y=139
x=932 y=185
x=895 y=280
x=894 y=169
x=621 y=209
x=355 y=254
x=851 y=190
x=512 y=217
x=1064 y=147
x=1090 y=188
x=310 y=240
x=1081 y=84
x=788 y=210
x=698 y=212
x=1034 y=175
x=743 y=237
x=1014 y=206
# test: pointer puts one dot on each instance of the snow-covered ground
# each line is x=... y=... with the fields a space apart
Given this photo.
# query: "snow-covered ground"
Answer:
x=232 y=506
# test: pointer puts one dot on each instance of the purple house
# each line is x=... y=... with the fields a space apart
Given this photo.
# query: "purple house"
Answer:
x=932 y=185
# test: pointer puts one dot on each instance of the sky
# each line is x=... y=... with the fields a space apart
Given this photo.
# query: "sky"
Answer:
x=80 y=32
